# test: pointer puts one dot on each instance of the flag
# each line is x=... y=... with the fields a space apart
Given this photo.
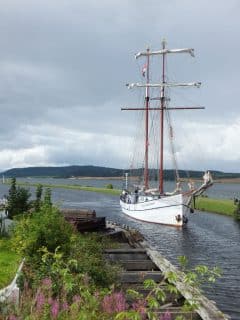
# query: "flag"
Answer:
x=144 y=69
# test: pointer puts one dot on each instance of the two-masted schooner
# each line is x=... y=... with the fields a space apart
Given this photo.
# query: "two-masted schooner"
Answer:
x=155 y=204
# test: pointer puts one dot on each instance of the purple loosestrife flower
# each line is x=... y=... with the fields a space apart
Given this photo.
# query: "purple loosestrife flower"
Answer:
x=120 y=302
x=114 y=302
x=40 y=301
x=65 y=306
x=106 y=304
x=140 y=306
x=47 y=282
x=166 y=316
x=12 y=317
x=55 y=309
x=50 y=300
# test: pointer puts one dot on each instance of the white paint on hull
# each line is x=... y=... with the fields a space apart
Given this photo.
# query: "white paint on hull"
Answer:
x=163 y=211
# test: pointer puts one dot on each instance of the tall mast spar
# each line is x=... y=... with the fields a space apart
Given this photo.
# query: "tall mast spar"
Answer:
x=146 y=171
x=162 y=99
x=162 y=106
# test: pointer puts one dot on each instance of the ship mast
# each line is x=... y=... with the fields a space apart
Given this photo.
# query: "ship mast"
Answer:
x=146 y=170
x=162 y=106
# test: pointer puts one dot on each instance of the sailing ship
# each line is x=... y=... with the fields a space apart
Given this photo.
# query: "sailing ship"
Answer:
x=155 y=204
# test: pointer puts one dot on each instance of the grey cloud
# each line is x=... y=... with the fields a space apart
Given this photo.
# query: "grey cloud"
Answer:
x=64 y=65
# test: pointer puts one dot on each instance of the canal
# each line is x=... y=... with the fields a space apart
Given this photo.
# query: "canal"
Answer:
x=209 y=239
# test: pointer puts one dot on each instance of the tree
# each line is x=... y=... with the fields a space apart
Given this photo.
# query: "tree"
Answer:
x=37 y=202
x=48 y=198
x=17 y=200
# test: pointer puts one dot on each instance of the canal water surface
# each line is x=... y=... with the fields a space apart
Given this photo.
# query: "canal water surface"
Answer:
x=209 y=239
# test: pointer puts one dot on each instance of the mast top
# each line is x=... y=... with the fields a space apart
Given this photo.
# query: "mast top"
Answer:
x=164 y=42
x=164 y=51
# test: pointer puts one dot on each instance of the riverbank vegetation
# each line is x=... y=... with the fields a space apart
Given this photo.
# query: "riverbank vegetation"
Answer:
x=9 y=262
x=221 y=206
x=106 y=190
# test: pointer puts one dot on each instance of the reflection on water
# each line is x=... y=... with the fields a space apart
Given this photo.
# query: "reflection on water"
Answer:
x=209 y=239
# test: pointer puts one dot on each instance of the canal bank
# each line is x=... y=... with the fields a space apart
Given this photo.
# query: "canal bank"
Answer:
x=228 y=207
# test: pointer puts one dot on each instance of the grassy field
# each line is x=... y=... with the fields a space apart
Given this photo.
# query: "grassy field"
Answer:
x=221 y=206
x=9 y=262
x=73 y=187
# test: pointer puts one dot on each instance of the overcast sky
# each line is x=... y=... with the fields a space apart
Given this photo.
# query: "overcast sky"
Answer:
x=64 y=66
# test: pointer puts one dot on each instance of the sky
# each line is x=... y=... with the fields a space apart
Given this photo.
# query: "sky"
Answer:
x=63 y=69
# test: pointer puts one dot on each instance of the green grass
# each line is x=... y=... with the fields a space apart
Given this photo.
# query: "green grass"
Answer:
x=73 y=187
x=221 y=206
x=9 y=262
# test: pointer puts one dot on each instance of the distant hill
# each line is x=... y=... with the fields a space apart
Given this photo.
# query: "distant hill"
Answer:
x=96 y=171
x=63 y=172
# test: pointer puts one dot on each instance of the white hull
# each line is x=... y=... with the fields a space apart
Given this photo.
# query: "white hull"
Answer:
x=168 y=210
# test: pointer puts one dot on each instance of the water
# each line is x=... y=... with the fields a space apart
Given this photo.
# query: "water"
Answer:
x=209 y=239
x=218 y=190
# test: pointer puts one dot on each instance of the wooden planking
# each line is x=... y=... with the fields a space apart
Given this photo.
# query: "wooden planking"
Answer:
x=125 y=250
x=140 y=276
x=141 y=265
x=127 y=256
x=207 y=309
x=78 y=212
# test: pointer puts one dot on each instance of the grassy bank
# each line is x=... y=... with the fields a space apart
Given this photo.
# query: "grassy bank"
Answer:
x=9 y=262
x=221 y=206
x=73 y=187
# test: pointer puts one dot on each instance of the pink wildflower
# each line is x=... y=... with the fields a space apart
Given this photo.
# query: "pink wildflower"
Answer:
x=12 y=317
x=114 y=302
x=55 y=309
x=47 y=282
x=140 y=306
x=166 y=316
x=50 y=300
x=40 y=301
x=65 y=306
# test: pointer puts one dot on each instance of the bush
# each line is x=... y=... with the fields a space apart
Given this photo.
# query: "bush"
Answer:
x=109 y=186
x=46 y=228
x=237 y=209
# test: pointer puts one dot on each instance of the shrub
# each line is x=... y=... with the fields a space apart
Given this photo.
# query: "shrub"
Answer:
x=237 y=209
x=109 y=186
x=46 y=228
